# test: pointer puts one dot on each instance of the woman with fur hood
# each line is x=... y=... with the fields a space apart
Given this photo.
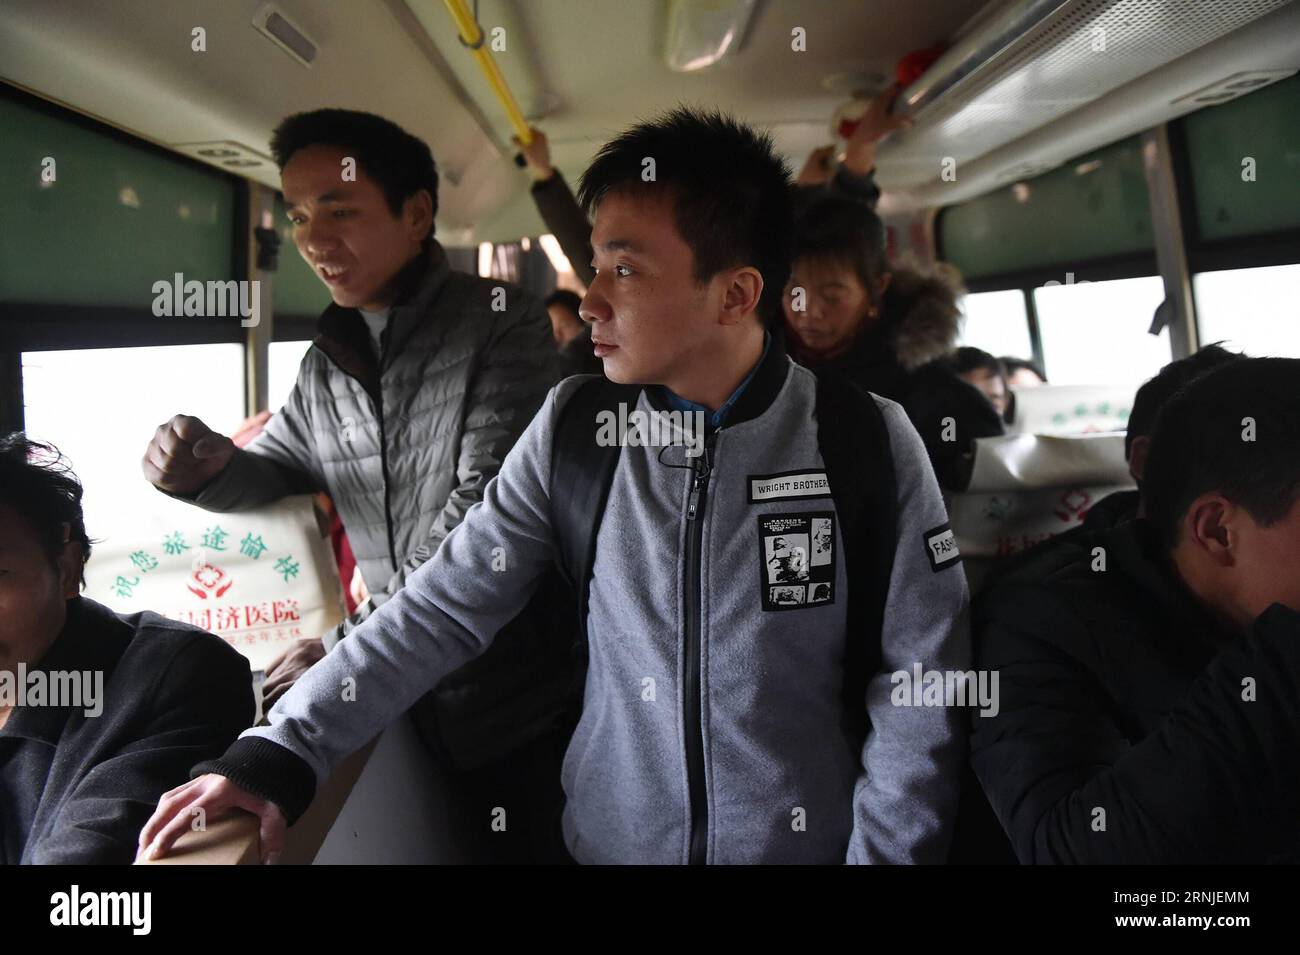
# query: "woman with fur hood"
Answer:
x=890 y=330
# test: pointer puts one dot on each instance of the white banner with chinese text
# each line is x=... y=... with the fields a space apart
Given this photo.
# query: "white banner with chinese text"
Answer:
x=258 y=579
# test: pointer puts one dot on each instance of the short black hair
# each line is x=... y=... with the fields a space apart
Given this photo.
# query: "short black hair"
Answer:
x=1153 y=394
x=38 y=485
x=730 y=190
x=400 y=163
x=1013 y=365
x=967 y=358
x=845 y=232
x=566 y=299
x=1200 y=444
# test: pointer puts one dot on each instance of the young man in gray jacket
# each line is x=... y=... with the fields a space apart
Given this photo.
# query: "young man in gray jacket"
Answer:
x=713 y=727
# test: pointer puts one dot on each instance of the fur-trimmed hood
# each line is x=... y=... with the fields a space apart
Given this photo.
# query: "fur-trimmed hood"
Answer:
x=922 y=313
x=920 y=324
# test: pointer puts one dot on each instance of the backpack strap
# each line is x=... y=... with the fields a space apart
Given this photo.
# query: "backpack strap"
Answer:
x=854 y=442
x=581 y=474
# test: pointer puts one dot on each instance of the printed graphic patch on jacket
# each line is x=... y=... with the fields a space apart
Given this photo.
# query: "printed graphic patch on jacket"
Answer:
x=797 y=557
x=788 y=485
x=941 y=548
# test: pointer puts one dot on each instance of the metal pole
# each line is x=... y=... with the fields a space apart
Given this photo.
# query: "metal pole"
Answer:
x=1178 y=311
x=471 y=34
x=257 y=338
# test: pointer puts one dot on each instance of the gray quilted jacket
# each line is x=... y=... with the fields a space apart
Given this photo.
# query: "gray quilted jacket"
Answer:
x=406 y=446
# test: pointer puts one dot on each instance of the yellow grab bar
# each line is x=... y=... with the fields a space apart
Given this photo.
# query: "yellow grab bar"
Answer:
x=471 y=35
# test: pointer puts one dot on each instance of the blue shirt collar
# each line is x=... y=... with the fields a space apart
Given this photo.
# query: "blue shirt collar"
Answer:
x=716 y=418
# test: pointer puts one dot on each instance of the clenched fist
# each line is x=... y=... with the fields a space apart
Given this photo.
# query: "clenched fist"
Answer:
x=185 y=454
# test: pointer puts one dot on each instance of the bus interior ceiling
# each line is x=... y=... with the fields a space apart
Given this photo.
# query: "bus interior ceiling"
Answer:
x=1082 y=74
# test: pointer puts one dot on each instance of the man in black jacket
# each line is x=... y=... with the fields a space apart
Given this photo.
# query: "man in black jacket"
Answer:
x=100 y=714
x=1149 y=703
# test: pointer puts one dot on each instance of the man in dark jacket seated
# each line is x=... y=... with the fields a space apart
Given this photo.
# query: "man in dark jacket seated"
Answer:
x=100 y=714
x=1149 y=705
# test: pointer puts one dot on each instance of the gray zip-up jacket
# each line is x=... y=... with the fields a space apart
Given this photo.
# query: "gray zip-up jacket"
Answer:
x=760 y=697
x=406 y=444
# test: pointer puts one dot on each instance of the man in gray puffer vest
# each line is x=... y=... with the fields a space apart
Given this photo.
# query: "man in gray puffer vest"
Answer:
x=419 y=382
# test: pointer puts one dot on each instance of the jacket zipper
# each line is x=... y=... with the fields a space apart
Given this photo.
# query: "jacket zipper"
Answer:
x=383 y=440
x=691 y=695
x=383 y=463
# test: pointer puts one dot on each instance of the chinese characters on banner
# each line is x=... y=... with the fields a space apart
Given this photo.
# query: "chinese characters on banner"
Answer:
x=258 y=579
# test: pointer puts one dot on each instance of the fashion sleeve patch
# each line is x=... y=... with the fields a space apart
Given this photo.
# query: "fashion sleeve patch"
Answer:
x=941 y=548
x=797 y=557
x=788 y=485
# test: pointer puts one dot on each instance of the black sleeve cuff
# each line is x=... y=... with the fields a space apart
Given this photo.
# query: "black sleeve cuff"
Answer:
x=267 y=770
x=854 y=186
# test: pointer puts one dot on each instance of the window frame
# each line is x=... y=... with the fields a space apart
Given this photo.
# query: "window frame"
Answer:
x=1256 y=250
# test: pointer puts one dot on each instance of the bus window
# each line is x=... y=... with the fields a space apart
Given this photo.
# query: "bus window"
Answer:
x=997 y=323
x=1251 y=310
x=1096 y=333
x=135 y=390
x=282 y=371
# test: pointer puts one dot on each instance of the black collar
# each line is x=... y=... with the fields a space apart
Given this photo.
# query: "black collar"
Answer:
x=758 y=394
x=342 y=334
x=1136 y=552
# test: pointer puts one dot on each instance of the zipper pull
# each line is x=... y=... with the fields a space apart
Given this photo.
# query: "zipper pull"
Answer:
x=693 y=502
x=697 y=485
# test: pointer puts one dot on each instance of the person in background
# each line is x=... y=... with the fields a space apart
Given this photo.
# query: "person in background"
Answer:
x=849 y=312
x=1155 y=394
x=560 y=212
x=1152 y=396
x=977 y=367
x=852 y=178
x=80 y=775
x=572 y=334
x=1150 y=673
x=1022 y=373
